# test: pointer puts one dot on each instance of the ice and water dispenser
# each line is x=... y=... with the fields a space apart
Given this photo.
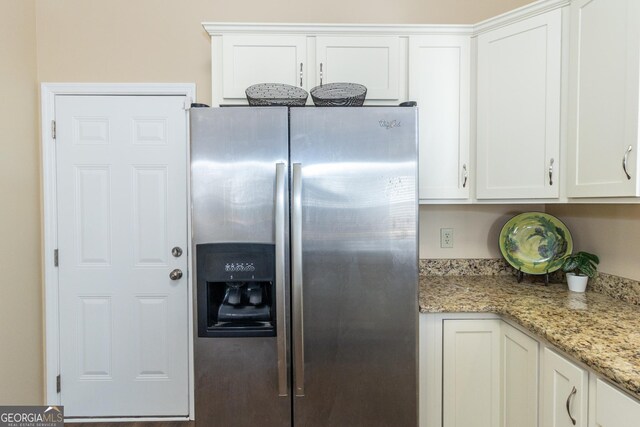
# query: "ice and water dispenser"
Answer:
x=235 y=285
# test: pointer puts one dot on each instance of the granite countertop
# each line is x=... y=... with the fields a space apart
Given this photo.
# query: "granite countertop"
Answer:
x=601 y=332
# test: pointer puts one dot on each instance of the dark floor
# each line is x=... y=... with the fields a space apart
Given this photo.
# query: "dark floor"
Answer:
x=136 y=424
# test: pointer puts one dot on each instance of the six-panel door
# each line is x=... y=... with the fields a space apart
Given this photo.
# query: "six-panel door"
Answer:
x=122 y=207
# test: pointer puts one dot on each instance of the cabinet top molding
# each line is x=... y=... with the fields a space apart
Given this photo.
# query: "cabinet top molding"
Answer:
x=535 y=8
x=220 y=28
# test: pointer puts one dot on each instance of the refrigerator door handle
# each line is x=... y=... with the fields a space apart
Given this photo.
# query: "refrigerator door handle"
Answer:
x=281 y=295
x=296 y=261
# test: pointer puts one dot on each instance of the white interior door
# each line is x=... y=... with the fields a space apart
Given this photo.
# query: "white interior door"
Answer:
x=122 y=207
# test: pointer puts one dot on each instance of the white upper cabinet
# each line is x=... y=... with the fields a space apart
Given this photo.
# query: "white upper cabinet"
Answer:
x=372 y=61
x=250 y=59
x=603 y=108
x=305 y=59
x=518 y=109
x=439 y=80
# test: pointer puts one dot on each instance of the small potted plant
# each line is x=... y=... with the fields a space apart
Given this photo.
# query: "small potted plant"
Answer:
x=579 y=268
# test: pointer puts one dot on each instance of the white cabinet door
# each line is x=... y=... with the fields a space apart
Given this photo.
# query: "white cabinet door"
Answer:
x=471 y=373
x=518 y=115
x=519 y=378
x=252 y=59
x=371 y=61
x=603 y=108
x=614 y=408
x=564 y=392
x=439 y=79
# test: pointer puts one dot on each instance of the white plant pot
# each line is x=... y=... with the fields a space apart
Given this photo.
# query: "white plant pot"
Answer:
x=577 y=283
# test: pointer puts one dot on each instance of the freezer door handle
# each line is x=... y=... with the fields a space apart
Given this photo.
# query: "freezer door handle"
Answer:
x=281 y=295
x=296 y=271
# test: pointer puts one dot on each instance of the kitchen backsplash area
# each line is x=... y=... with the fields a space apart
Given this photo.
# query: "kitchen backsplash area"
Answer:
x=617 y=287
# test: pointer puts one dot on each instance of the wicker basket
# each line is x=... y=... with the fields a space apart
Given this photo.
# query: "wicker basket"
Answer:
x=276 y=94
x=339 y=95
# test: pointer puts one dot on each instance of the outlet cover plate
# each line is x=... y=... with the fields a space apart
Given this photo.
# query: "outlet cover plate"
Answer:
x=446 y=237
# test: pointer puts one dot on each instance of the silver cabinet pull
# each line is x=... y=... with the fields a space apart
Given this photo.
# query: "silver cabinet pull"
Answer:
x=321 y=74
x=551 y=171
x=296 y=271
x=624 y=161
x=281 y=295
x=573 y=393
x=301 y=74
x=175 y=274
x=465 y=176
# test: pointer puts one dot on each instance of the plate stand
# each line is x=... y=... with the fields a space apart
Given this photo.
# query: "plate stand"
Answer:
x=521 y=276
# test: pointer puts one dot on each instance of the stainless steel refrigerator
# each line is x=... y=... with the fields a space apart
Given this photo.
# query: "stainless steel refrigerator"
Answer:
x=305 y=241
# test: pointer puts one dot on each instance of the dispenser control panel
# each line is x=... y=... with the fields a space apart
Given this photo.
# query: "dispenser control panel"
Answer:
x=239 y=266
x=236 y=261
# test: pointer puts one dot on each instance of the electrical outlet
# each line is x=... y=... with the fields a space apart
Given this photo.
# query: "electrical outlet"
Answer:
x=446 y=237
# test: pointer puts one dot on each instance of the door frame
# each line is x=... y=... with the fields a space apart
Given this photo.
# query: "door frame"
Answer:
x=48 y=93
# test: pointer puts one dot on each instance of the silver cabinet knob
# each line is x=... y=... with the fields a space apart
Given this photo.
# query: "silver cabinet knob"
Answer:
x=175 y=274
x=176 y=251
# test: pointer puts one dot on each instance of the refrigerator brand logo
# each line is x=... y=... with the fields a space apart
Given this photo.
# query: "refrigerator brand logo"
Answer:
x=389 y=124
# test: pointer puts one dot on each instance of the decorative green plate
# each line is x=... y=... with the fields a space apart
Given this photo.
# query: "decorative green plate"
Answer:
x=535 y=242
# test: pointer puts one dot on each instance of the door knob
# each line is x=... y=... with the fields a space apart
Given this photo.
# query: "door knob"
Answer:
x=175 y=274
x=176 y=252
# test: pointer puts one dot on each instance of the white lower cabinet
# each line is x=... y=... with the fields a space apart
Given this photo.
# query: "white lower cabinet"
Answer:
x=519 y=378
x=471 y=372
x=613 y=408
x=564 y=392
x=483 y=372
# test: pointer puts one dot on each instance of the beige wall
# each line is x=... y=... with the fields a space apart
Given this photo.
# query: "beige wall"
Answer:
x=610 y=231
x=475 y=229
x=20 y=284
x=163 y=41
x=145 y=41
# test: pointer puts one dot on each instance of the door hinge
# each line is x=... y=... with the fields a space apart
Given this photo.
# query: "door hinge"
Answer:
x=187 y=102
x=58 y=384
x=55 y=257
x=53 y=129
